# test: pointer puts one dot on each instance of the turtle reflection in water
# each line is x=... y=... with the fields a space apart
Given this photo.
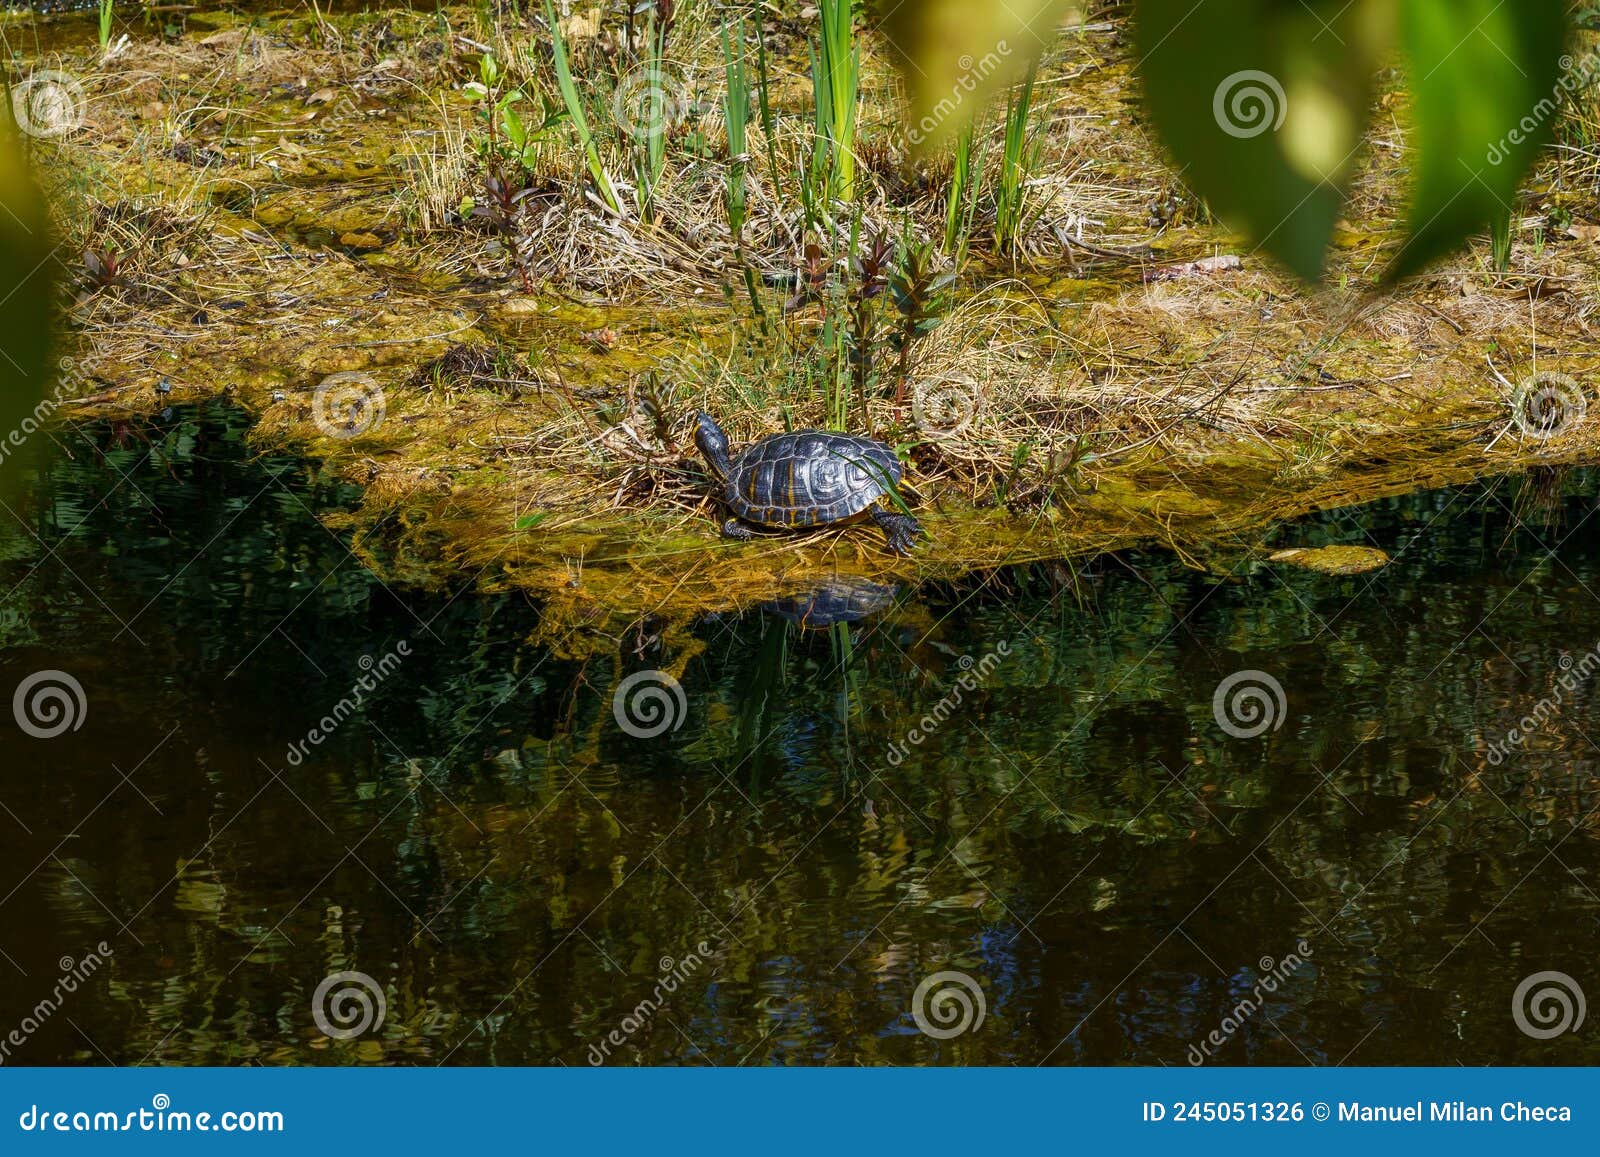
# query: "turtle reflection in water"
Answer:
x=807 y=478
x=840 y=600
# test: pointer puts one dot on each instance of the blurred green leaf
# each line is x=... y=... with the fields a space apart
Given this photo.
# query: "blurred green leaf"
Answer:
x=1263 y=105
x=27 y=269
x=1486 y=81
x=955 y=55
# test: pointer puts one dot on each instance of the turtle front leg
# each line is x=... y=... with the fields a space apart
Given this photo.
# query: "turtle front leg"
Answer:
x=902 y=529
x=741 y=531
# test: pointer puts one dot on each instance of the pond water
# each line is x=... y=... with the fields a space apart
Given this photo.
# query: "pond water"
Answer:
x=830 y=818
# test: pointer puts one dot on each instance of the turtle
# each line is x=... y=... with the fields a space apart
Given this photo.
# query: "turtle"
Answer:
x=805 y=478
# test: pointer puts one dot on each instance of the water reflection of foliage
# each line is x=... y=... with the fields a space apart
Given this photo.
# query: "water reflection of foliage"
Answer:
x=520 y=865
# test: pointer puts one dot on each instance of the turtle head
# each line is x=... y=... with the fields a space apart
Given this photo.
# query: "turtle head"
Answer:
x=713 y=444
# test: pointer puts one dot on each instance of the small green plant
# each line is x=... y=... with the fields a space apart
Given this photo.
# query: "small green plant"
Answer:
x=921 y=296
x=1500 y=240
x=1060 y=469
x=107 y=21
x=1017 y=163
x=507 y=137
x=102 y=269
x=574 y=103
x=869 y=270
x=811 y=282
x=502 y=207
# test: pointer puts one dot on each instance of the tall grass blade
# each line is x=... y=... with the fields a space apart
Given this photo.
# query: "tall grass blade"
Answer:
x=736 y=114
x=574 y=103
x=836 y=73
x=963 y=195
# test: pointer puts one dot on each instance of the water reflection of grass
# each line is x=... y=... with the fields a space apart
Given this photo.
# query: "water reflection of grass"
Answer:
x=1045 y=840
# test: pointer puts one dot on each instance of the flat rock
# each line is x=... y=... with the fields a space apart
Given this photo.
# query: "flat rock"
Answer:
x=1333 y=559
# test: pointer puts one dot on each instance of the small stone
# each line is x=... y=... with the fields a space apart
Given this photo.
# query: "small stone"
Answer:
x=361 y=241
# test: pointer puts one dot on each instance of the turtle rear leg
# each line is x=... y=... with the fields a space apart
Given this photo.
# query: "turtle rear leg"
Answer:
x=741 y=531
x=902 y=529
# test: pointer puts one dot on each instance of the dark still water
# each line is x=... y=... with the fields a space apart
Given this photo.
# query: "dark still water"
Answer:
x=1013 y=823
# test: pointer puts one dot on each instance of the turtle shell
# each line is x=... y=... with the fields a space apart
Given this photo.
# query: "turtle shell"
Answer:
x=809 y=478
